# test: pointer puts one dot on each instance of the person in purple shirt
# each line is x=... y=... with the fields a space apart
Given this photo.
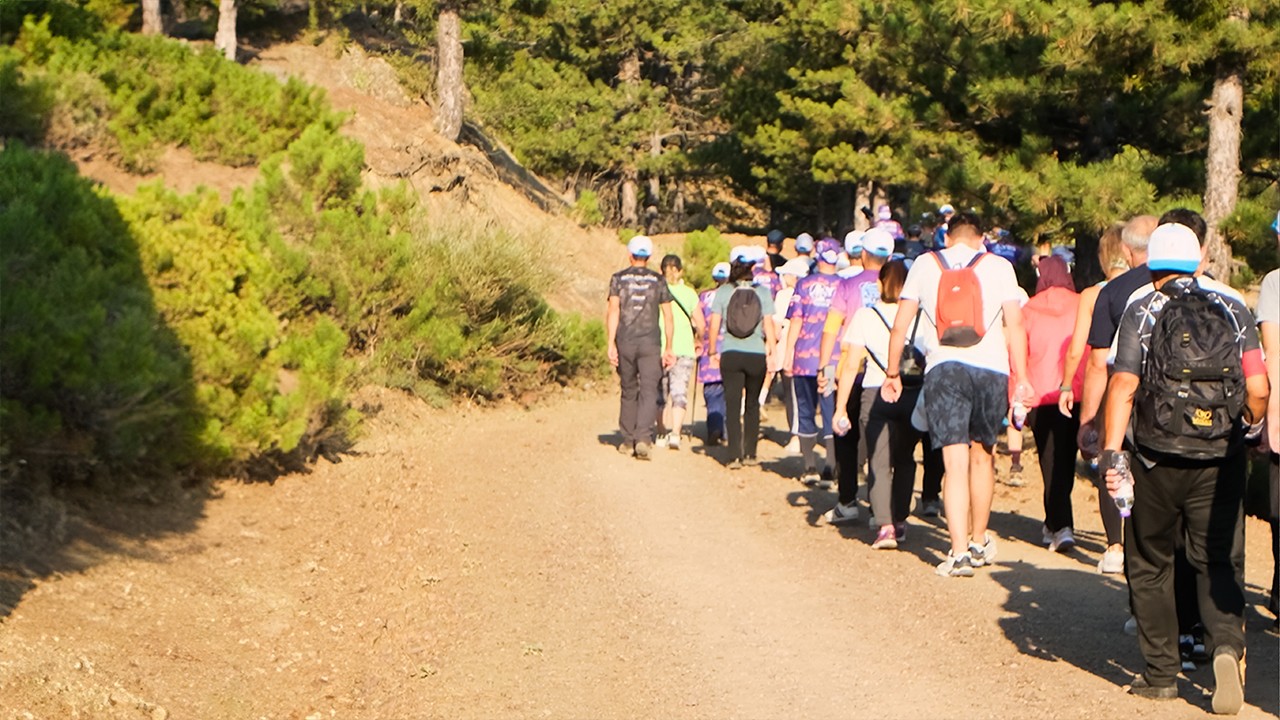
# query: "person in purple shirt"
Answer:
x=885 y=221
x=709 y=374
x=807 y=313
x=861 y=290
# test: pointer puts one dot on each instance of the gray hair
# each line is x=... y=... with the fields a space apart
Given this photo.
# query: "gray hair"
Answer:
x=1137 y=232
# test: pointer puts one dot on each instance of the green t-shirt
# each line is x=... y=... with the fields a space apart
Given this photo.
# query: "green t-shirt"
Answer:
x=682 y=338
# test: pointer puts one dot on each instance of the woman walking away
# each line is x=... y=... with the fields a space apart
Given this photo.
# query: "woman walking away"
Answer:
x=712 y=387
x=890 y=436
x=745 y=311
x=1049 y=317
x=1111 y=258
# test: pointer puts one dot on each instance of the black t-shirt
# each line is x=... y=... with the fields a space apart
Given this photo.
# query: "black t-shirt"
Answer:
x=776 y=261
x=1112 y=301
x=640 y=292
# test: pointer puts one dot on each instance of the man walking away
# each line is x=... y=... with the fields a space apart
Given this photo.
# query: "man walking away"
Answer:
x=807 y=313
x=708 y=374
x=774 y=241
x=1189 y=373
x=637 y=295
x=687 y=334
x=966 y=291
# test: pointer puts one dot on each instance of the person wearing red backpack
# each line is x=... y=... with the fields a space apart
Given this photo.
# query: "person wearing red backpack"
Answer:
x=973 y=299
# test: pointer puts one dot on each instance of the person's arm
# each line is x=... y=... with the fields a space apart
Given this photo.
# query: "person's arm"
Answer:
x=668 y=356
x=1120 y=391
x=770 y=341
x=1270 y=333
x=830 y=336
x=713 y=338
x=850 y=360
x=612 y=313
x=793 y=334
x=699 y=325
x=1075 y=351
x=891 y=390
x=1095 y=384
x=1016 y=338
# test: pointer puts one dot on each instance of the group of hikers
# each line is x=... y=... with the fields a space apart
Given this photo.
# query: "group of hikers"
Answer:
x=886 y=342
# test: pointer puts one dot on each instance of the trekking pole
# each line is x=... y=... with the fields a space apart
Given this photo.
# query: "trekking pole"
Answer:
x=693 y=414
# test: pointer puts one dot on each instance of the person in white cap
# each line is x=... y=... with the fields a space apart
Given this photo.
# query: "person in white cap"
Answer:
x=708 y=373
x=791 y=272
x=1268 y=317
x=637 y=295
x=804 y=249
x=940 y=232
x=1189 y=387
x=853 y=250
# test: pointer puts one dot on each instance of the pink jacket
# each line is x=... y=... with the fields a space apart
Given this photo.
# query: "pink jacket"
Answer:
x=1050 y=317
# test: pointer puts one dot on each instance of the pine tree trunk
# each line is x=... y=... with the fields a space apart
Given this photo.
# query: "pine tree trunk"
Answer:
x=845 y=209
x=398 y=17
x=225 y=39
x=862 y=198
x=677 y=199
x=450 y=88
x=1222 y=166
x=628 y=202
x=152 y=21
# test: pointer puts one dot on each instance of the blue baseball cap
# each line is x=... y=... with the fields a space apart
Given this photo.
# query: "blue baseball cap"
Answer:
x=775 y=237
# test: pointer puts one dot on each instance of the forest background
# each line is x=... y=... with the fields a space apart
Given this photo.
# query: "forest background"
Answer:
x=165 y=336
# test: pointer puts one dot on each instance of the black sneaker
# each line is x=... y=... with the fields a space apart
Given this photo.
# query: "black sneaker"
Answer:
x=1144 y=689
x=826 y=479
x=1228 y=682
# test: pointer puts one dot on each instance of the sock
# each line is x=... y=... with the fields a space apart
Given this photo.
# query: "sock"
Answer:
x=806 y=450
x=1017 y=457
x=830 y=444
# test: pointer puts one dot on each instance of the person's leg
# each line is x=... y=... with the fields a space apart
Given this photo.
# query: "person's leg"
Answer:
x=649 y=365
x=1213 y=514
x=990 y=405
x=902 y=444
x=879 y=467
x=826 y=409
x=948 y=406
x=805 y=389
x=756 y=369
x=678 y=379
x=847 y=451
x=1149 y=541
x=931 y=484
x=734 y=379
x=629 y=380
x=1055 y=437
x=788 y=398
x=713 y=396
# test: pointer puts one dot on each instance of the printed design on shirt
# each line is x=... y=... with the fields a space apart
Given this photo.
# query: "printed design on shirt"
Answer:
x=707 y=373
x=810 y=304
x=1150 y=310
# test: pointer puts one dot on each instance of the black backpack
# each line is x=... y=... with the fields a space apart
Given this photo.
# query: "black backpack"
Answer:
x=911 y=366
x=744 y=312
x=1192 y=391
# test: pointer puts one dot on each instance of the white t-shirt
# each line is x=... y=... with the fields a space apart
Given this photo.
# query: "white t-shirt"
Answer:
x=999 y=285
x=869 y=331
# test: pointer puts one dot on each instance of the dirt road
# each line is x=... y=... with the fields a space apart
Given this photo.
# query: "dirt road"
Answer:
x=502 y=564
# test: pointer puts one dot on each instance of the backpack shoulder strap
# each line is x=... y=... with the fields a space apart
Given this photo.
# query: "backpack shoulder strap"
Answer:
x=976 y=258
x=880 y=315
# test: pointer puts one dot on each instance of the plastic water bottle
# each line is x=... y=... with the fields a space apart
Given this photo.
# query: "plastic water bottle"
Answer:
x=1123 y=496
x=1019 y=415
x=843 y=425
x=829 y=373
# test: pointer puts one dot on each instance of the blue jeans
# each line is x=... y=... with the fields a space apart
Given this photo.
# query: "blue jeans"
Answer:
x=713 y=394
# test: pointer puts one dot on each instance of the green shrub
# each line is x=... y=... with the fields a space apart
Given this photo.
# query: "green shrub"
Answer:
x=91 y=378
x=702 y=250
x=587 y=208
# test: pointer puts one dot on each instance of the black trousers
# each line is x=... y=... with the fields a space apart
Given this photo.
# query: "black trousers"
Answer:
x=848 y=456
x=1208 y=502
x=640 y=374
x=742 y=372
x=1055 y=436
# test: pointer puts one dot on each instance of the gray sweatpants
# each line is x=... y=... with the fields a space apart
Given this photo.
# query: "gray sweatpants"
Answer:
x=640 y=374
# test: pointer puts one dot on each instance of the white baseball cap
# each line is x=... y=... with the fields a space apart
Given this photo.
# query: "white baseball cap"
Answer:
x=853 y=242
x=640 y=246
x=1174 y=248
x=878 y=242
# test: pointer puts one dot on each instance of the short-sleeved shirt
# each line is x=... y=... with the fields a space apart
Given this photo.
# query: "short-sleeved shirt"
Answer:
x=1139 y=319
x=707 y=373
x=640 y=292
x=1111 y=303
x=809 y=307
x=999 y=285
x=861 y=290
x=684 y=298
x=1269 y=302
x=869 y=328
x=753 y=343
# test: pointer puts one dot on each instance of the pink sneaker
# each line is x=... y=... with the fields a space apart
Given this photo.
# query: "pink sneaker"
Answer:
x=887 y=539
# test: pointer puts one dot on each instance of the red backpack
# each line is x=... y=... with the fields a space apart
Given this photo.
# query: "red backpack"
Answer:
x=959 y=313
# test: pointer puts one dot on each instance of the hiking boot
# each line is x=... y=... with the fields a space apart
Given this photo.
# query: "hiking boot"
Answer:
x=1228 y=682
x=642 y=451
x=826 y=479
x=886 y=539
x=1112 y=562
x=931 y=508
x=673 y=442
x=841 y=514
x=751 y=461
x=735 y=464
x=627 y=449
x=810 y=476
x=984 y=554
x=1144 y=689
x=1063 y=540
x=955 y=566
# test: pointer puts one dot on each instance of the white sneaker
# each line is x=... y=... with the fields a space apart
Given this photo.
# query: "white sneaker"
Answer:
x=984 y=554
x=673 y=441
x=661 y=440
x=841 y=514
x=1063 y=540
x=1046 y=537
x=1112 y=562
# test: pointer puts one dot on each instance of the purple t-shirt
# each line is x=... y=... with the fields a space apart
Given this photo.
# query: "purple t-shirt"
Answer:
x=809 y=307
x=706 y=372
x=762 y=277
x=854 y=293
